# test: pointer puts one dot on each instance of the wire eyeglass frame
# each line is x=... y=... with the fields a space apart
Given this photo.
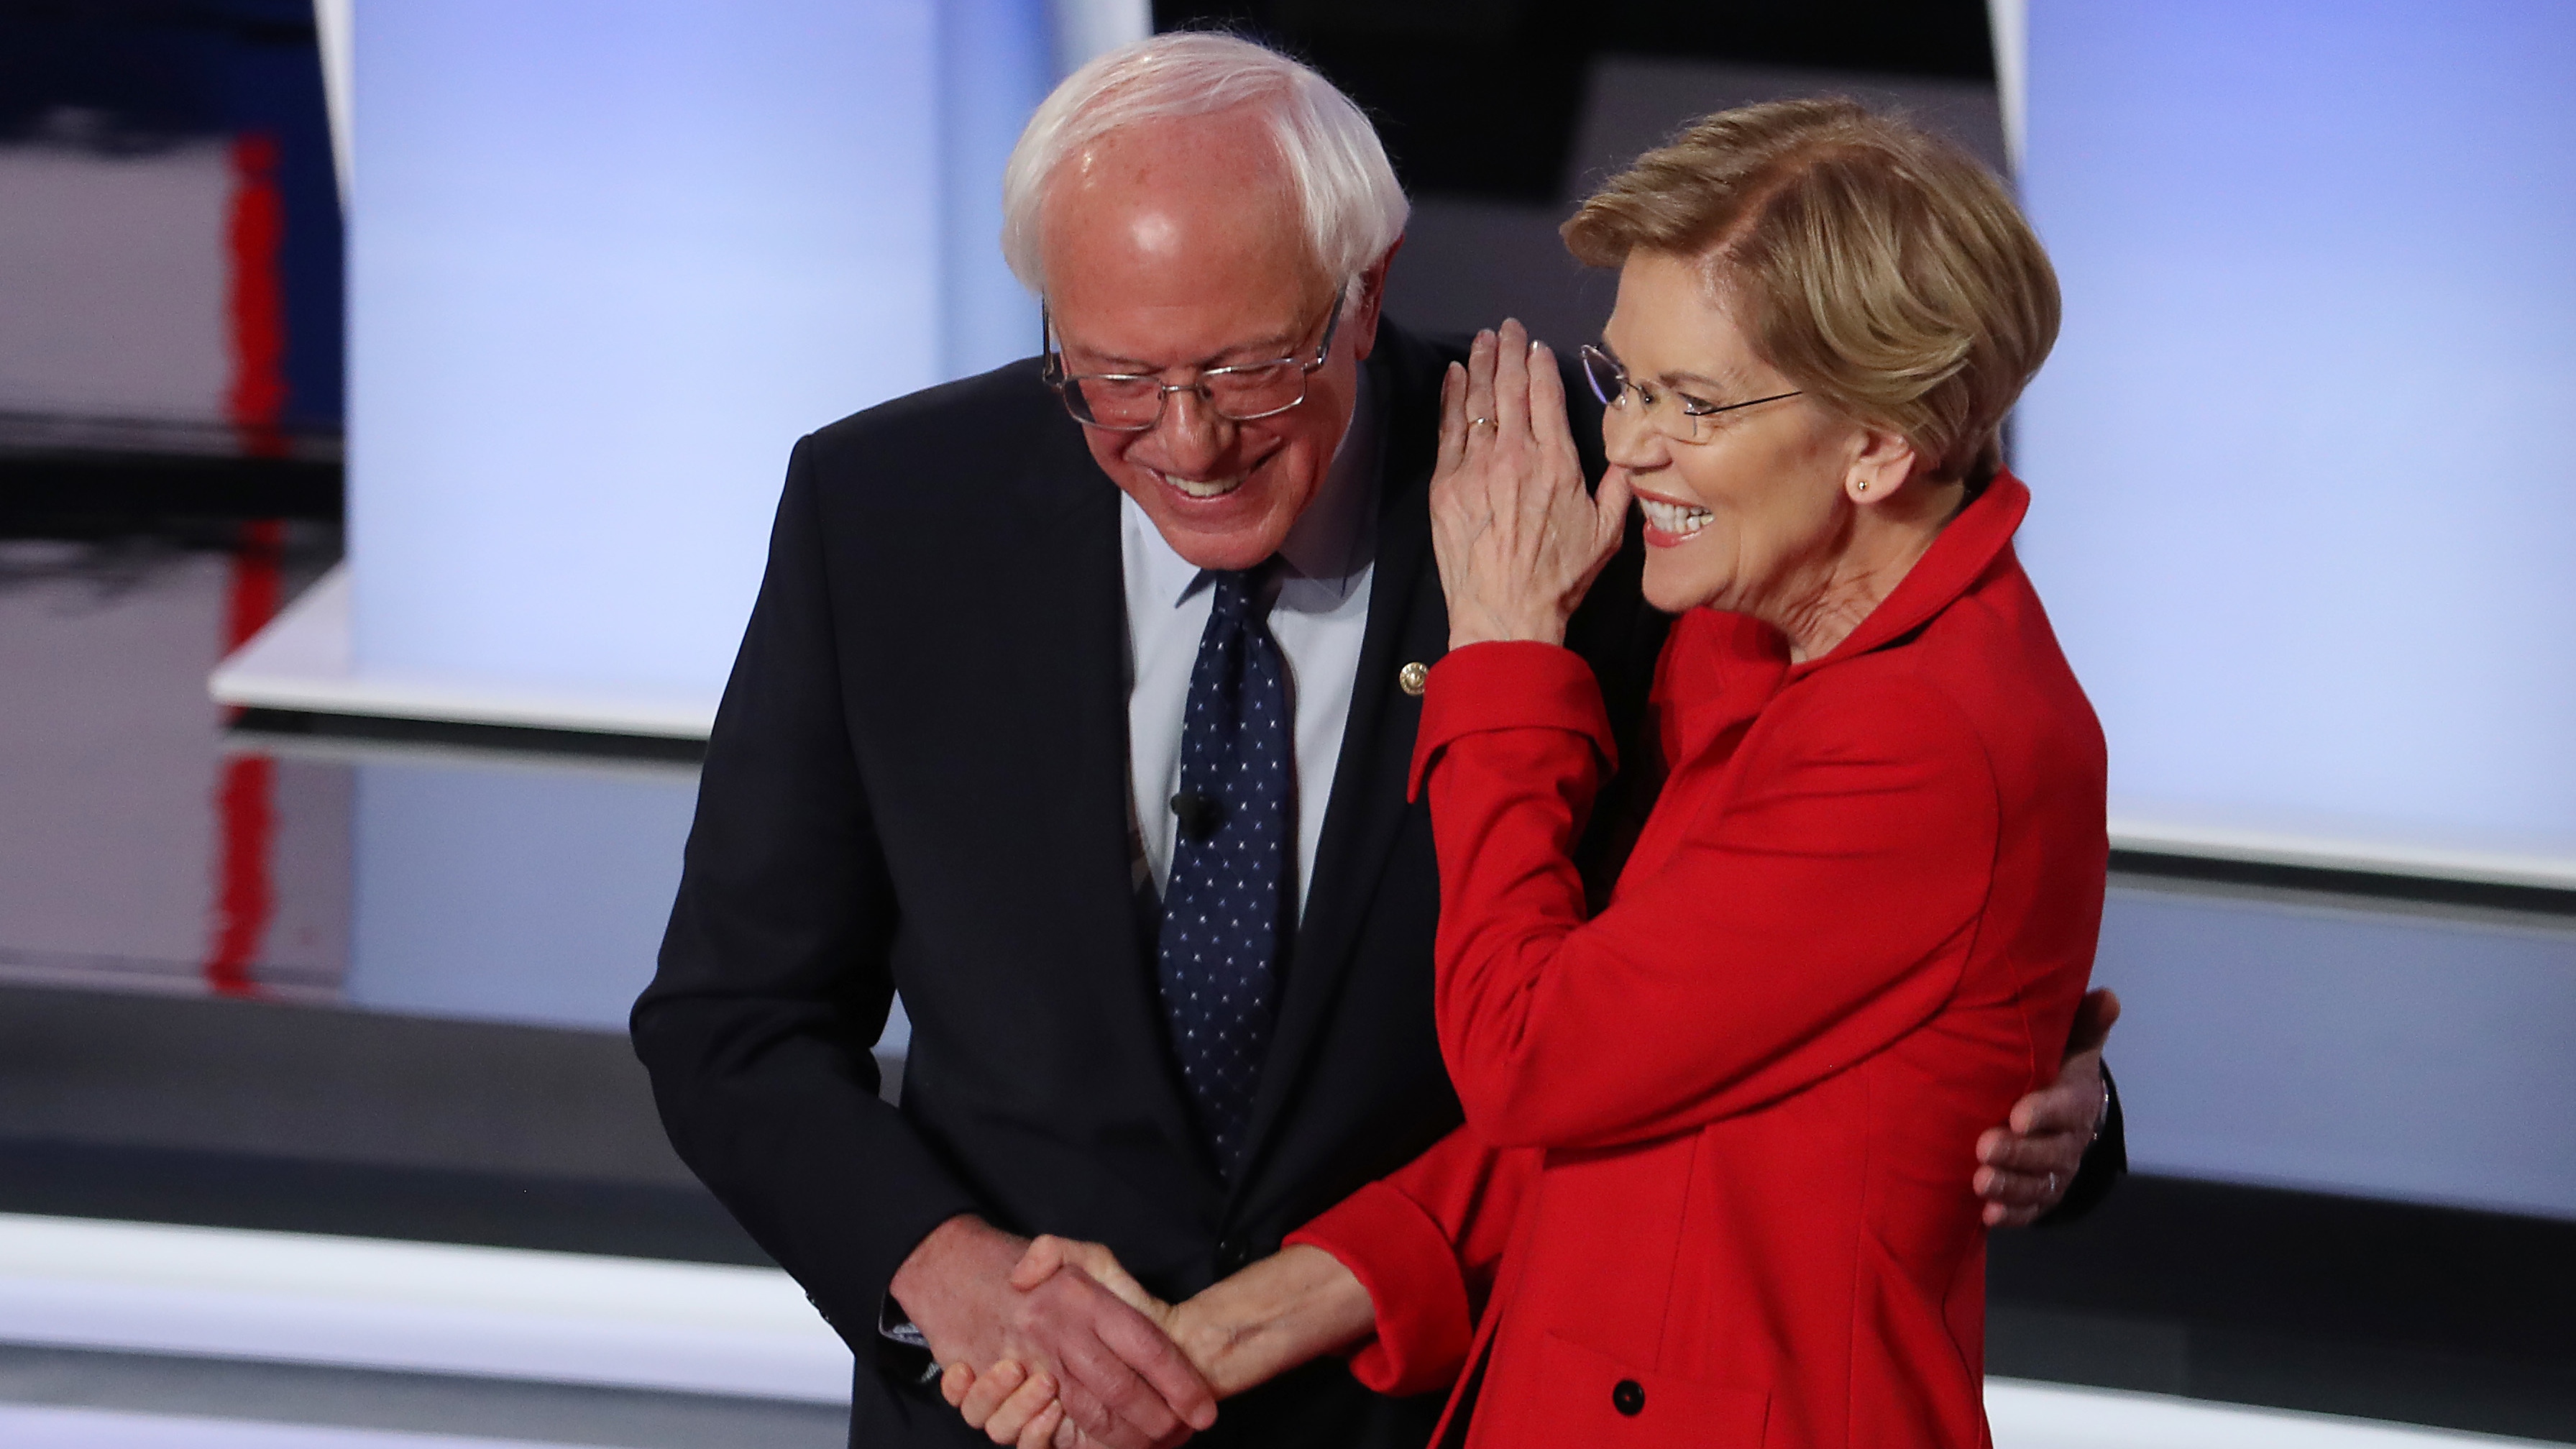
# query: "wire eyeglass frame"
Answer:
x=1612 y=384
x=1069 y=385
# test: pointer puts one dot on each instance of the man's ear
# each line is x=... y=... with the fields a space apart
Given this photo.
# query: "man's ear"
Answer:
x=1879 y=467
x=1361 y=327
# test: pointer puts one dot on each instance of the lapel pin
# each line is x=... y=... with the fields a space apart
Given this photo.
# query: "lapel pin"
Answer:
x=1412 y=677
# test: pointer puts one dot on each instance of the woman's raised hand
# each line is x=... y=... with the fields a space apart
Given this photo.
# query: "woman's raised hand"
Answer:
x=1518 y=538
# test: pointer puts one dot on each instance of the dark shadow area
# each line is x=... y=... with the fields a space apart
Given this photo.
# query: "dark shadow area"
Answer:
x=268 y=726
x=78 y=494
x=367 y=1200
x=320 y=1119
x=2296 y=1300
x=1482 y=100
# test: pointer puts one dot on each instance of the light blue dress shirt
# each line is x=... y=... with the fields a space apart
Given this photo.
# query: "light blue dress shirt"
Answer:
x=1319 y=617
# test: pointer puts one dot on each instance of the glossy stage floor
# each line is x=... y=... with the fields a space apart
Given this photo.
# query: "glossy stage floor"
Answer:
x=318 y=1129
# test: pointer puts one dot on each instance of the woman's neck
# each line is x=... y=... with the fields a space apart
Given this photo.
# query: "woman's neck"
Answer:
x=1880 y=544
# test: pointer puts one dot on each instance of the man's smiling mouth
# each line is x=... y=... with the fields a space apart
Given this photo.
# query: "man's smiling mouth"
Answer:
x=1203 y=487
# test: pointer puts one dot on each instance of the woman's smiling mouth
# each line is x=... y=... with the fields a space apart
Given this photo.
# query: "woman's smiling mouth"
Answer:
x=1678 y=520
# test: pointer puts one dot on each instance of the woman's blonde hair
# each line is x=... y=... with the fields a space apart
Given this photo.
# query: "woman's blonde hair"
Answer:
x=1880 y=268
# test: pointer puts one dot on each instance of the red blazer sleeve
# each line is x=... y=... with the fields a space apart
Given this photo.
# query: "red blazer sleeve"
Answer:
x=1425 y=1242
x=1822 y=909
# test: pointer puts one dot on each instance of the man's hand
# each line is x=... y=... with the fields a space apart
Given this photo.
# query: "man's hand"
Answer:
x=1116 y=1375
x=1014 y=1406
x=1271 y=1316
x=2029 y=1162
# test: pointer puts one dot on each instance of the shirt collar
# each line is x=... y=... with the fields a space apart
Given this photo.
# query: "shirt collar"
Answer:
x=1331 y=544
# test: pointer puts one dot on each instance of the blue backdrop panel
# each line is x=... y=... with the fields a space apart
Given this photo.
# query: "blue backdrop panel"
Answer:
x=2304 y=505
x=608 y=260
x=1000 y=62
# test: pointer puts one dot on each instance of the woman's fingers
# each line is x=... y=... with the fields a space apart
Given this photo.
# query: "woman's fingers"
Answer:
x=990 y=1390
x=1103 y=1266
x=1548 y=423
x=1046 y=1253
x=1042 y=1430
x=1453 y=420
x=1480 y=383
x=1610 y=508
x=1555 y=469
x=1517 y=537
x=1511 y=381
x=954 y=1381
x=1113 y=1275
x=1021 y=1410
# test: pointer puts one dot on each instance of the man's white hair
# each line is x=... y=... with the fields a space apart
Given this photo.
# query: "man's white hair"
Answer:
x=1353 y=208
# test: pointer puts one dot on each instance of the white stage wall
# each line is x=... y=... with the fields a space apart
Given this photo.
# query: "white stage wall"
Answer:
x=2304 y=509
x=607 y=262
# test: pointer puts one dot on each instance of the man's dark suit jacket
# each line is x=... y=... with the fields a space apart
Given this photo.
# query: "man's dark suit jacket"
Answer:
x=918 y=781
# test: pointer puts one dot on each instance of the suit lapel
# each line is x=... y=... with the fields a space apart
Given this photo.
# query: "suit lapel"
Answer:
x=1063 y=770
x=1408 y=622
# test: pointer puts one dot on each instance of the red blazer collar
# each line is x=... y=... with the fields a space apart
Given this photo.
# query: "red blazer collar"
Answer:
x=1719 y=670
x=1954 y=563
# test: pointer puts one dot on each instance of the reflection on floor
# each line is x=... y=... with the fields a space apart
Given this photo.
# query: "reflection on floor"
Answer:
x=435 y=1308
x=153 y=848
x=139 y=854
x=2024 y=1415
x=50 y=1428
x=318 y=1126
x=137 y=1334
x=355 y=1332
x=179 y=1392
x=2052 y=1416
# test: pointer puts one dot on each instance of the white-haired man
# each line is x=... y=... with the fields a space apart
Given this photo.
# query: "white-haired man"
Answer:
x=1108 y=781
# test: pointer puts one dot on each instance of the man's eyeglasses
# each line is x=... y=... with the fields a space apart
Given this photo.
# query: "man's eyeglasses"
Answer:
x=1132 y=402
x=1676 y=415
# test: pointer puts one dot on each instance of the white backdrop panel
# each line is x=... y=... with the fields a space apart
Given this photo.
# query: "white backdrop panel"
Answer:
x=2304 y=506
x=607 y=261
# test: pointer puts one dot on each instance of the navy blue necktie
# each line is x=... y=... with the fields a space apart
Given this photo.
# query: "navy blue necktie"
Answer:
x=1225 y=907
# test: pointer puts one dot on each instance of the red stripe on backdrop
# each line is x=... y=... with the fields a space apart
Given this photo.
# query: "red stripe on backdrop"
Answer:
x=256 y=237
x=245 y=786
x=245 y=897
x=258 y=583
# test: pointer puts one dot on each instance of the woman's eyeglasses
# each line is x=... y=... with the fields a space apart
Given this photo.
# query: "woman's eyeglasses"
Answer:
x=1676 y=415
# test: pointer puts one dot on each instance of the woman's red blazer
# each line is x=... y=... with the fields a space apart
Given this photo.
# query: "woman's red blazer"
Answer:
x=1713 y=1188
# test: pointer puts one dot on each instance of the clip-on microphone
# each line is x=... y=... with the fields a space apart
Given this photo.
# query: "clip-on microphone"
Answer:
x=1199 y=815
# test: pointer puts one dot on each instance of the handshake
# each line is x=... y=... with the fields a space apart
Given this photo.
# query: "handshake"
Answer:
x=1050 y=1342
